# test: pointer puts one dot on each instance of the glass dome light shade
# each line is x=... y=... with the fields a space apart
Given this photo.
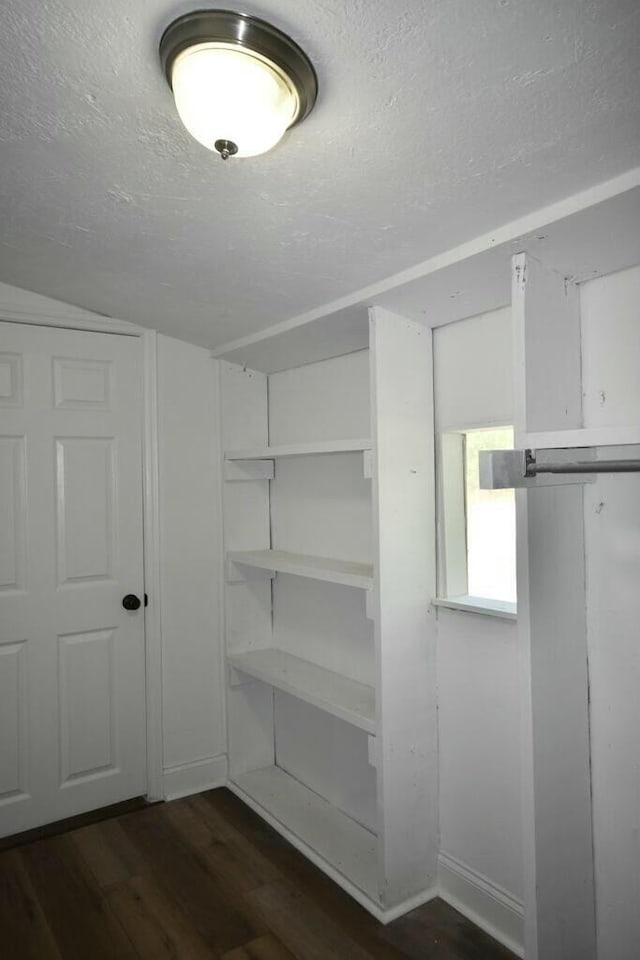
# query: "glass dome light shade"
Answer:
x=228 y=93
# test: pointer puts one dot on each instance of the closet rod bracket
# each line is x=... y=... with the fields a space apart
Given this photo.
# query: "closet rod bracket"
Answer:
x=504 y=469
x=513 y=469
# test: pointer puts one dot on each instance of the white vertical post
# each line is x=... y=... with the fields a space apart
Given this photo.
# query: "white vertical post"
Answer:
x=404 y=545
x=558 y=844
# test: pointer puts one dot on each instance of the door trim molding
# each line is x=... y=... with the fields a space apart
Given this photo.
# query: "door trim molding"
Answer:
x=93 y=323
x=9 y=313
x=151 y=536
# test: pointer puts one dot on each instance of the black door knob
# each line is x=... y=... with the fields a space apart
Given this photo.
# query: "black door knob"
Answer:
x=131 y=602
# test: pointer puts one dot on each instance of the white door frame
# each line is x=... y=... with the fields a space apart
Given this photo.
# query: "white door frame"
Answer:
x=80 y=320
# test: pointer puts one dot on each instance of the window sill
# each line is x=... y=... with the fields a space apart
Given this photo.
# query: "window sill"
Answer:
x=502 y=609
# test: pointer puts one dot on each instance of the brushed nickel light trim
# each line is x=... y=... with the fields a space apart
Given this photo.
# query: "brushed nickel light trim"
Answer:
x=244 y=33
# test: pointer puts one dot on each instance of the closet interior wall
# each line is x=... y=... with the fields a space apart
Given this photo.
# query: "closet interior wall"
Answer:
x=610 y=314
x=480 y=859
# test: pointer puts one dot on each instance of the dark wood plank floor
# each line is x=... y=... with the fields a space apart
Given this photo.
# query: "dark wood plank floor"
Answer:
x=197 y=879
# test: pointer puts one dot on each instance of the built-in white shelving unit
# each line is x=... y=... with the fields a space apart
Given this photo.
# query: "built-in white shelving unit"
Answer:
x=353 y=787
x=330 y=639
x=347 y=572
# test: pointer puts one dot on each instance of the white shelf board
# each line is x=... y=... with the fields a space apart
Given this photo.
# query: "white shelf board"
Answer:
x=340 y=696
x=300 y=449
x=346 y=572
x=297 y=812
x=585 y=437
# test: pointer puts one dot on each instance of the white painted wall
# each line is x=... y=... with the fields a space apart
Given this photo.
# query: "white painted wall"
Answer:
x=190 y=536
x=16 y=301
x=611 y=383
x=478 y=680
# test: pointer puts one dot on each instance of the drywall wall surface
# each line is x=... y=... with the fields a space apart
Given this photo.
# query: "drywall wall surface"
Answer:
x=611 y=383
x=190 y=536
x=478 y=674
x=328 y=400
x=479 y=737
x=473 y=364
x=336 y=767
x=16 y=301
x=610 y=312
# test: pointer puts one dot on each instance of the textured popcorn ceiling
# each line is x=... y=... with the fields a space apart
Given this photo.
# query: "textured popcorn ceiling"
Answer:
x=436 y=120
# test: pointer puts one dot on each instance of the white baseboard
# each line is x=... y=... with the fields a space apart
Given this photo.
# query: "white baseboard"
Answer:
x=491 y=908
x=411 y=903
x=194 y=777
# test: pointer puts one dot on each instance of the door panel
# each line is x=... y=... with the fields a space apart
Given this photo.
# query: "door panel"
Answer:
x=72 y=678
x=12 y=513
x=88 y=737
x=81 y=384
x=10 y=380
x=13 y=721
x=85 y=496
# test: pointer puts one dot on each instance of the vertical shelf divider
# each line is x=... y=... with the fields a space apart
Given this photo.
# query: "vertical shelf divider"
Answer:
x=552 y=632
x=405 y=634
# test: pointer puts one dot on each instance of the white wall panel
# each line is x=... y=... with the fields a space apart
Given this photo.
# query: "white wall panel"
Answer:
x=473 y=371
x=610 y=308
x=479 y=737
x=327 y=755
x=328 y=400
x=478 y=674
x=193 y=718
x=322 y=506
x=611 y=371
x=324 y=623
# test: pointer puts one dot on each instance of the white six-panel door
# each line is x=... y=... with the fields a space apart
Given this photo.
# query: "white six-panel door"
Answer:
x=72 y=678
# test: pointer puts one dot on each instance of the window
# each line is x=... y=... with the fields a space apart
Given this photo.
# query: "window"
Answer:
x=490 y=522
x=477 y=527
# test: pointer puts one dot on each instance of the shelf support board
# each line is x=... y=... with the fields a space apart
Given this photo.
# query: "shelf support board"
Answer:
x=242 y=573
x=249 y=470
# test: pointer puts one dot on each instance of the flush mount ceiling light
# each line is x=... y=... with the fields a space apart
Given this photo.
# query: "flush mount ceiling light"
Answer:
x=238 y=82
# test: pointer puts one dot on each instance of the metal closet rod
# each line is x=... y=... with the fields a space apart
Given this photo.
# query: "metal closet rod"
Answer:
x=533 y=468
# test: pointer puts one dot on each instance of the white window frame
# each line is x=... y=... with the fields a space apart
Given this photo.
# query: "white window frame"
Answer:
x=453 y=590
